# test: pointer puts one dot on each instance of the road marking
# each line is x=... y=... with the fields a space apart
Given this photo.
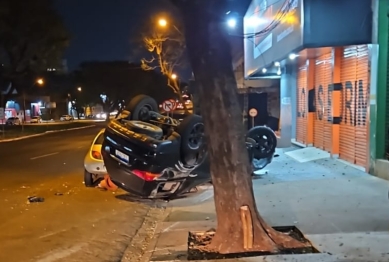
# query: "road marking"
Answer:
x=52 y=233
x=51 y=154
x=170 y=227
x=62 y=253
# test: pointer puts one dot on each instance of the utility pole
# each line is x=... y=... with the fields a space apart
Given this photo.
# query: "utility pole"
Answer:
x=24 y=110
x=1 y=105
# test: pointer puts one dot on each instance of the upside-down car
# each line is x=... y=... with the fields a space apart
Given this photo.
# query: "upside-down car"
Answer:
x=155 y=156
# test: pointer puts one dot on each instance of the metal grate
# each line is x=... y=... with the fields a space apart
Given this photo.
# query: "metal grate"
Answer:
x=322 y=136
x=387 y=115
x=355 y=100
x=302 y=105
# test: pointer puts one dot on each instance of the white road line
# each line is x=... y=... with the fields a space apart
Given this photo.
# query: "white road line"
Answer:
x=62 y=253
x=169 y=227
x=36 y=157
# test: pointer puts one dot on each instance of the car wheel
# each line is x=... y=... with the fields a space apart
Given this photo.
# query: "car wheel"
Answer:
x=88 y=179
x=144 y=128
x=140 y=107
x=193 y=146
x=265 y=141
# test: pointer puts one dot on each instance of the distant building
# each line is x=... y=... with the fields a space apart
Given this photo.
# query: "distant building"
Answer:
x=62 y=69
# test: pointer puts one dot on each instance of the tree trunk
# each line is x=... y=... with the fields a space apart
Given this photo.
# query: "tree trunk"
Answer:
x=211 y=61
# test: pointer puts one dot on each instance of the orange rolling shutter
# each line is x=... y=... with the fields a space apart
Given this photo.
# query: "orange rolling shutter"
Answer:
x=322 y=123
x=302 y=110
x=362 y=107
x=354 y=127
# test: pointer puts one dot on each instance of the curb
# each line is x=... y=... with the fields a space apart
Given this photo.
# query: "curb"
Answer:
x=145 y=236
x=44 y=133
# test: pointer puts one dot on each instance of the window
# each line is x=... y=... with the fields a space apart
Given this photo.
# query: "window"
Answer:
x=100 y=139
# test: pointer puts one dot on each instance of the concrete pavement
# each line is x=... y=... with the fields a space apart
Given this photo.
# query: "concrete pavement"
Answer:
x=342 y=210
x=74 y=223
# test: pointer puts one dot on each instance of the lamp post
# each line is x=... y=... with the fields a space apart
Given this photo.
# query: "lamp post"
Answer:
x=40 y=82
x=70 y=100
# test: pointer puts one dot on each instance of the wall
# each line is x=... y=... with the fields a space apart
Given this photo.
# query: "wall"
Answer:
x=306 y=24
x=288 y=84
x=273 y=103
x=262 y=50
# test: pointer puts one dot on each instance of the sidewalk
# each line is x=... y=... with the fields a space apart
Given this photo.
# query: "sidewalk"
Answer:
x=342 y=210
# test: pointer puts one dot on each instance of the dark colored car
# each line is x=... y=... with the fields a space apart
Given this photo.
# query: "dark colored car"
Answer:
x=156 y=156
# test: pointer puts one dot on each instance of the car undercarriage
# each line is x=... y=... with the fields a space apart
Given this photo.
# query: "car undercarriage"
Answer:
x=156 y=156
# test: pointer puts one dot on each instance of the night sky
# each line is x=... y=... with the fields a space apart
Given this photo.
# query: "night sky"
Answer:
x=103 y=29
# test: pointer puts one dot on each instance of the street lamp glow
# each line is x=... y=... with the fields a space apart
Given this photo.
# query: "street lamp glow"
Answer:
x=174 y=76
x=162 y=22
x=231 y=22
x=79 y=88
x=40 y=81
x=292 y=56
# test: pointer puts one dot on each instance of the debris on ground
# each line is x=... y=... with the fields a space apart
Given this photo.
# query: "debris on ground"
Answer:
x=58 y=194
x=35 y=199
x=107 y=184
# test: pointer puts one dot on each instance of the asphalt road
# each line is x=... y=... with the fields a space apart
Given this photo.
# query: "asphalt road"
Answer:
x=78 y=224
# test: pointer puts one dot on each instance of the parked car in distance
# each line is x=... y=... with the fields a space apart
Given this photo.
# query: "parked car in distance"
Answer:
x=93 y=161
x=36 y=119
x=13 y=121
x=66 y=118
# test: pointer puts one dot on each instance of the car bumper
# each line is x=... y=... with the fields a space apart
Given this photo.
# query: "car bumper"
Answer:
x=94 y=167
x=123 y=177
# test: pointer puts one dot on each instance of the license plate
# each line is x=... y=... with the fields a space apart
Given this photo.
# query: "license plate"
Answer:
x=122 y=156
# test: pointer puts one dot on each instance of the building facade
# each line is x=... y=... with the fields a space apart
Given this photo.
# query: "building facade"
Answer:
x=327 y=55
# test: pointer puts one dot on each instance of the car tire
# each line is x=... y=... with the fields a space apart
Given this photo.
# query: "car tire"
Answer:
x=140 y=106
x=88 y=179
x=144 y=128
x=265 y=139
x=193 y=146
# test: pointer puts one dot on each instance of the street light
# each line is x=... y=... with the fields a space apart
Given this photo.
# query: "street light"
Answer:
x=174 y=76
x=79 y=88
x=232 y=22
x=162 y=22
x=40 y=81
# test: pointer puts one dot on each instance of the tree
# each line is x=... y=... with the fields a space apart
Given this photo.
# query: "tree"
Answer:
x=32 y=39
x=168 y=52
x=210 y=57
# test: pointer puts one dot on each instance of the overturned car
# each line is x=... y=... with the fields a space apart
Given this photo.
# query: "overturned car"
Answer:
x=156 y=156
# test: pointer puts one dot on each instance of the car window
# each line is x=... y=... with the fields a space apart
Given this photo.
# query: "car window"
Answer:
x=100 y=139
